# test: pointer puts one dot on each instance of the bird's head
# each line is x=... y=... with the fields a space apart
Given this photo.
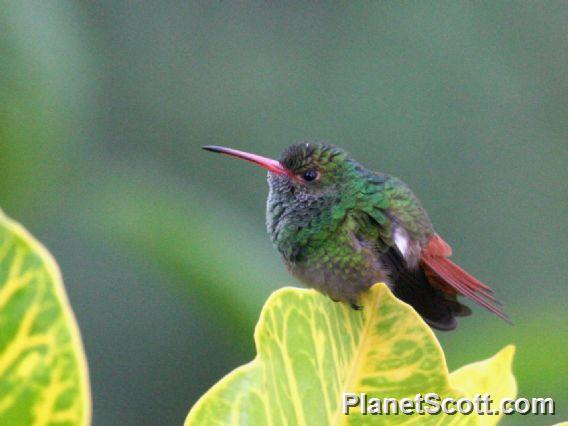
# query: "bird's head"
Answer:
x=305 y=169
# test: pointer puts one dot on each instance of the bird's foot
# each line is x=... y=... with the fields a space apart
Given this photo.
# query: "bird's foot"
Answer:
x=356 y=307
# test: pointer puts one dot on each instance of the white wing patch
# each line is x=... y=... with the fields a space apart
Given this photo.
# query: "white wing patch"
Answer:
x=408 y=247
x=401 y=241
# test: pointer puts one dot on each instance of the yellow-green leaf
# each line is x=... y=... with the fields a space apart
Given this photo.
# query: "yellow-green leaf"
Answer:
x=43 y=370
x=310 y=351
x=492 y=376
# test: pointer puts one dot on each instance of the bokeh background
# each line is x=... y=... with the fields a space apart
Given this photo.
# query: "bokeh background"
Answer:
x=103 y=109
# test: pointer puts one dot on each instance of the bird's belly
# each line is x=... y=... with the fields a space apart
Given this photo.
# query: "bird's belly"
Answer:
x=342 y=274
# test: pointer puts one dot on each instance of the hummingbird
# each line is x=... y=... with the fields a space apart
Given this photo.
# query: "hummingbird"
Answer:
x=340 y=228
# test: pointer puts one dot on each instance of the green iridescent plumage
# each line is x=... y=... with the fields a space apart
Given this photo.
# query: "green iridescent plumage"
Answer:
x=340 y=228
x=332 y=231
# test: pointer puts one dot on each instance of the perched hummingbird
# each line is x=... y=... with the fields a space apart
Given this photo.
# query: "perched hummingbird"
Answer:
x=340 y=228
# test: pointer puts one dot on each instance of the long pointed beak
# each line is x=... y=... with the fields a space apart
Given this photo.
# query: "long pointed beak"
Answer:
x=266 y=163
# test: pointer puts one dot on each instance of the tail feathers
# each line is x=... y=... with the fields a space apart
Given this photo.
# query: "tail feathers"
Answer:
x=435 y=306
x=448 y=274
x=431 y=303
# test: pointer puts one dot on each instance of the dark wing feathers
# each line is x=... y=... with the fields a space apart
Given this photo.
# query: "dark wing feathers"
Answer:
x=432 y=287
x=412 y=286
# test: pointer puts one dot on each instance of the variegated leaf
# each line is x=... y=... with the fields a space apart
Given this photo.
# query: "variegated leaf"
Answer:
x=312 y=351
x=43 y=371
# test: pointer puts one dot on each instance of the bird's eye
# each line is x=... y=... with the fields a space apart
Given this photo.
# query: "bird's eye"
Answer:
x=310 y=175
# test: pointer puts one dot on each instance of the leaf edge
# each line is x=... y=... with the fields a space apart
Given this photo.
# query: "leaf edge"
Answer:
x=19 y=231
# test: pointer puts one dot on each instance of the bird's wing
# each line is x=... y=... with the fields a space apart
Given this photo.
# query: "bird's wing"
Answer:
x=407 y=228
x=404 y=222
x=398 y=254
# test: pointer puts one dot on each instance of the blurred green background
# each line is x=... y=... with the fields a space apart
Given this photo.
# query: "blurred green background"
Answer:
x=163 y=249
